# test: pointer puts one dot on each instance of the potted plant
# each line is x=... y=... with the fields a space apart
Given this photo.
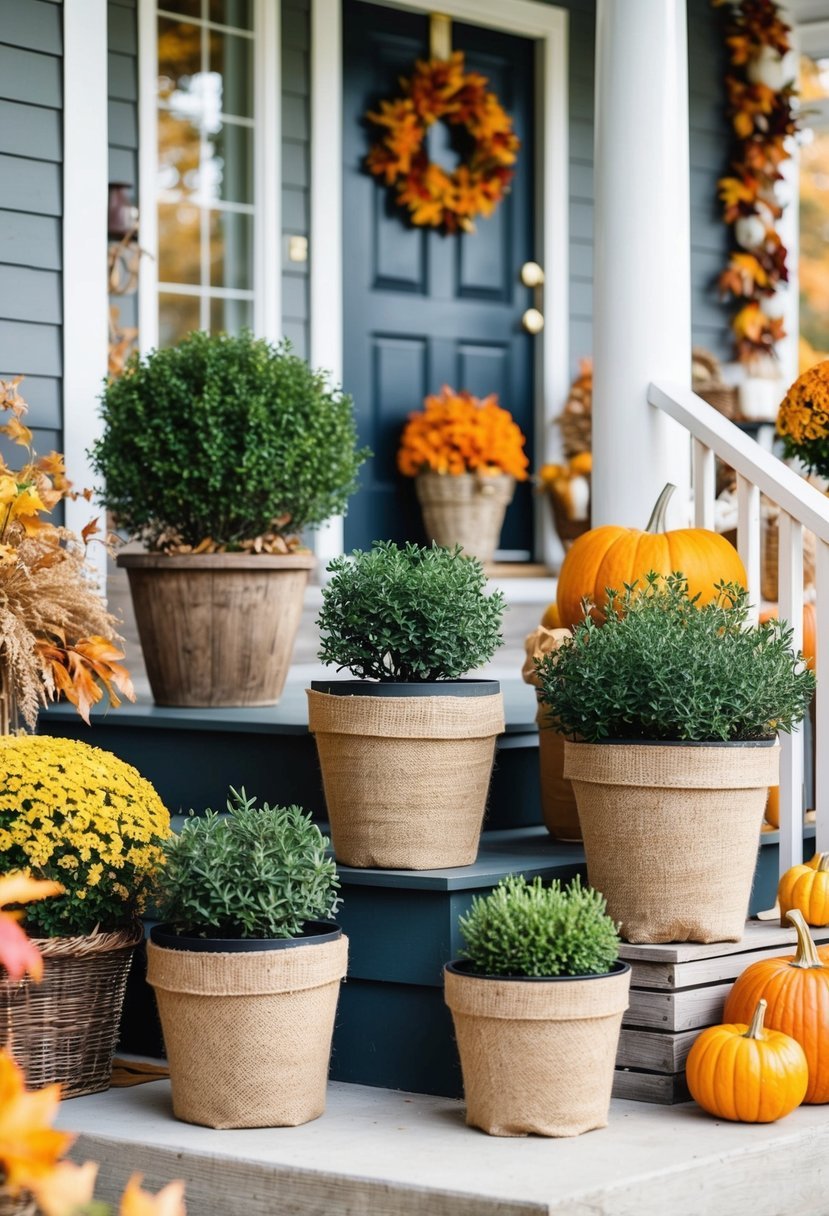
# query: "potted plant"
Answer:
x=216 y=454
x=558 y=802
x=56 y=637
x=537 y=999
x=247 y=965
x=465 y=455
x=671 y=711
x=406 y=747
x=79 y=816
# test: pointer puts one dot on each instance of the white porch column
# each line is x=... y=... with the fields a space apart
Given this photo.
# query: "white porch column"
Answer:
x=642 y=277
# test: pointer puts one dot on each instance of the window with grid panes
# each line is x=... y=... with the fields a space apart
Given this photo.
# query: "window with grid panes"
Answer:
x=205 y=193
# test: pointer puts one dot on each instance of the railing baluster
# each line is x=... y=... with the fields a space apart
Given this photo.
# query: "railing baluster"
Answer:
x=821 y=733
x=748 y=538
x=790 y=581
x=704 y=474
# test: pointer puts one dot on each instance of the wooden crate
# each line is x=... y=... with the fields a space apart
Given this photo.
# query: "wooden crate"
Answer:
x=677 y=990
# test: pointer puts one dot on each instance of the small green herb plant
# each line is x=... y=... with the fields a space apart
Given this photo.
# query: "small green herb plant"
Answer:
x=224 y=437
x=526 y=929
x=253 y=872
x=410 y=613
x=663 y=667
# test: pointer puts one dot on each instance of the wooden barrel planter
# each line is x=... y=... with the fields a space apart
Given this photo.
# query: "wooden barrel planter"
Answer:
x=217 y=628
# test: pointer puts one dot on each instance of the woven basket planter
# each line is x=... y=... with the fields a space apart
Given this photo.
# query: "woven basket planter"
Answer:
x=537 y=1055
x=65 y=1028
x=217 y=628
x=465 y=509
x=248 y=1025
x=406 y=769
x=16 y=1205
x=671 y=833
x=567 y=529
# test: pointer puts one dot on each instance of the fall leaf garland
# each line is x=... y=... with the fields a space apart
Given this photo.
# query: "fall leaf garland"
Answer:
x=443 y=89
x=761 y=91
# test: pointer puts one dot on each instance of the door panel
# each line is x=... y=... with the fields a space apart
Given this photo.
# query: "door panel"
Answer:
x=423 y=309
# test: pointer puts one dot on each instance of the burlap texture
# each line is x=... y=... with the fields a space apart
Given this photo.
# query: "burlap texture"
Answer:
x=537 y=1057
x=406 y=778
x=248 y=1036
x=558 y=802
x=671 y=834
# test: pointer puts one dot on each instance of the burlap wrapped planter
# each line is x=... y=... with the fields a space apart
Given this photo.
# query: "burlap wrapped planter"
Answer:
x=465 y=509
x=558 y=801
x=248 y=1031
x=406 y=777
x=671 y=833
x=537 y=1055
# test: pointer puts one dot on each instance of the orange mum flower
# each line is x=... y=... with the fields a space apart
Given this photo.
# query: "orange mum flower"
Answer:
x=457 y=433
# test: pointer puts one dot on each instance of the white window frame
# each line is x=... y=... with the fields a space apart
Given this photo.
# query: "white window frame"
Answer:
x=267 y=141
x=547 y=26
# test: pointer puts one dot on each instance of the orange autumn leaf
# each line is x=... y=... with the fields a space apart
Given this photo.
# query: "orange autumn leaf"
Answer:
x=167 y=1202
x=90 y=530
x=18 y=955
x=17 y=431
x=65 y=1189
x=29 y=1146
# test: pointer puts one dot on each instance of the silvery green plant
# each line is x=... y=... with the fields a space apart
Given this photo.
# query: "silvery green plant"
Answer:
x=408 y=613
x=527 y=929
x=252 y=872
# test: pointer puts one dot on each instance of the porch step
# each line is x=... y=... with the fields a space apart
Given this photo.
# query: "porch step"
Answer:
x=394 y=1154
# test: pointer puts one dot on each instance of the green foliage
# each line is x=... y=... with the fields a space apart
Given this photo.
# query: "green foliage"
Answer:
x=524 y=928
x=254 y=872
x=416 y=613
x=662 y=667
x=225 y=437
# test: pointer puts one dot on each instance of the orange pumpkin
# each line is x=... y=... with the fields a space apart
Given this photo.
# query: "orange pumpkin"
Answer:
x=806 y=887
x=611 y=556
x=747 y=1073
x=551 y=619
x=809 y=630
x=797 y=992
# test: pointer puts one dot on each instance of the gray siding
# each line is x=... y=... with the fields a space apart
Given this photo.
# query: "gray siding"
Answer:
x=31 y=136
x=296 y=39
x=122 y=115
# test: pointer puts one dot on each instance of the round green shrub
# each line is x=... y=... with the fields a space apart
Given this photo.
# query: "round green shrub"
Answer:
x=253 y=872
x=410 y=613
x=526 y=929
x=663 y=667
x=224 y=437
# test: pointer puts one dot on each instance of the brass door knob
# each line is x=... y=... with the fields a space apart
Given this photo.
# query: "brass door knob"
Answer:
x=532 y=275
x=532 y=321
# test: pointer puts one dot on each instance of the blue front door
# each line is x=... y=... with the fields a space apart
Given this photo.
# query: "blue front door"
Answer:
x=423 y=309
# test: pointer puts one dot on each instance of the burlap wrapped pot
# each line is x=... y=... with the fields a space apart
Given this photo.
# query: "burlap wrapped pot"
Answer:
x=248 y=1035
x=558 y=802
x=406 y=777
x=465 y=509
x=537 y=1055
x=671 y=833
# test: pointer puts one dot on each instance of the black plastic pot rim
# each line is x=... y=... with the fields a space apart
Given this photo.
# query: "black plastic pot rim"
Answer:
x=315 y=933
x=394 y=688
x=461 y=966
x=677 y=742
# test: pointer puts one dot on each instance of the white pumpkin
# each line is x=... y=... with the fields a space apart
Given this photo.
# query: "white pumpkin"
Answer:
x=750 y=231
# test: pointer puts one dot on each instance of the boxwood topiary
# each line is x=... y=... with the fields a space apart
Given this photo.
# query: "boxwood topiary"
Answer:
x=410 y=613
x=526 y=929
x=664 y=667
x=224 y=437
x=254 y=872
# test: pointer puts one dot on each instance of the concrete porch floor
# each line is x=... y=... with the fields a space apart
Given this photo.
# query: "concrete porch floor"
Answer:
x=388 y=1153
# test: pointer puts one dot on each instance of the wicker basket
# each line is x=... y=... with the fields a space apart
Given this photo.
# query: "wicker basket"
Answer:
x=465 y=509
x=770 y=555
x=65 y=1028
x=723 y=397
x=568 y=529
x=16 y=1205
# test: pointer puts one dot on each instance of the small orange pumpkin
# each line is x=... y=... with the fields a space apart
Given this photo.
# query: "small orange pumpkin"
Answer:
x=806 y=887
x=611 y=556
x=797 y=991
x=551 y=619
x=747 y=1073
x=809 y=630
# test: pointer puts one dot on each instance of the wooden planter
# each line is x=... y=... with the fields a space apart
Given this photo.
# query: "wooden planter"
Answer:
x=219 y=628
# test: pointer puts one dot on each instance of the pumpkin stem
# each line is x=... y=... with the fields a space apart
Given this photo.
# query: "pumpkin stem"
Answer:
x=656 y=523
x=807 y=955
x=755 y=1030
x=823 y=863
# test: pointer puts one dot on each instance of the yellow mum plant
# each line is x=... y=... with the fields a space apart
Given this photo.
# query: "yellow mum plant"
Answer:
x=79 y=816
x=803 y=419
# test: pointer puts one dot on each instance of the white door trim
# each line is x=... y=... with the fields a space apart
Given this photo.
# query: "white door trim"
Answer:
x=548 y=27
x=85 y=303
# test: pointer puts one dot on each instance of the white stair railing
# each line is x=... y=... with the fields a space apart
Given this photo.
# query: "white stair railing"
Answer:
x=801 y=506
